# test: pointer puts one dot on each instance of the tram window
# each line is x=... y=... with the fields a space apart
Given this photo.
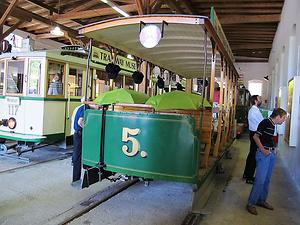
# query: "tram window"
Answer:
x=75 y=81
x=129 y=83
x=55 y=78
x=118 y=81
x=102 y=82
x=34 y=77
x=1 y=77
x=15 y=77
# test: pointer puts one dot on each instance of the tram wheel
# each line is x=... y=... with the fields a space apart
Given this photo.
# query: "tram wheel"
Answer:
x=3 y=148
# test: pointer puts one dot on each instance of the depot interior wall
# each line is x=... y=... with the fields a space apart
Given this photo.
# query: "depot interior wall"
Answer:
x=284 y=63
x=255 y=71
x=39 y=43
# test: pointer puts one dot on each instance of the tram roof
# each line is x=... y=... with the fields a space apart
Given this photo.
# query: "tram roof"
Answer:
x=181 y=50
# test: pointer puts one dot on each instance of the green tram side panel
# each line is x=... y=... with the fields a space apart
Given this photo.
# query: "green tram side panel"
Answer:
x=162 y=147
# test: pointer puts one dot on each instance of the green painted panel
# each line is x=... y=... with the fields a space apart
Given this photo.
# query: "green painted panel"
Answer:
x=146 y=145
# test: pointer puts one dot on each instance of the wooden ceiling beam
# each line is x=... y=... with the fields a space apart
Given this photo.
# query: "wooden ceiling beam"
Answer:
x=234 y=19
x=139 y=6
x=11 y=29
x=253 y=46
x=21 y=13
x=188 y=5
x=92 y=13
x=156 y=6
x=85 y=6
x=8 y=11
x=259 y=4
x=46 y=36
x=174 y=6
x=242 y=11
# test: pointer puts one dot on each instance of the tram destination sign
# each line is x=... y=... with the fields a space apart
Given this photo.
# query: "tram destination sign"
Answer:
x=104 y=57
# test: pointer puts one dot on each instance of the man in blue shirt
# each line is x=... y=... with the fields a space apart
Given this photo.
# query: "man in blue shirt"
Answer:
x=77 y=143
x=254 y=118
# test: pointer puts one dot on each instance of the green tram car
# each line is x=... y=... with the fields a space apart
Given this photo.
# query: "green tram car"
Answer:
x=139 y=141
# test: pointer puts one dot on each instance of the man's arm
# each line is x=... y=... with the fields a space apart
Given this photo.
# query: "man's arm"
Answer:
x=259 y=145
x=80 y=122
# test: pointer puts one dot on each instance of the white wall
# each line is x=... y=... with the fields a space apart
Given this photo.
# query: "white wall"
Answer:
x=255 y=71
x=39 y=43
x=283 y=63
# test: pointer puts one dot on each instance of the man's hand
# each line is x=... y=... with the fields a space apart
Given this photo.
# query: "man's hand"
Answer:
x=266 y=152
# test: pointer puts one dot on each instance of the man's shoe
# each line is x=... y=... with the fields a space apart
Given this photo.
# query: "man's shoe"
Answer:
x=251 y=209
x=249 y=181
x=265 y=205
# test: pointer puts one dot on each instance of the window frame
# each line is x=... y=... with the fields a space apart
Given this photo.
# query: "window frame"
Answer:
x=63 y=80
x=24 y=76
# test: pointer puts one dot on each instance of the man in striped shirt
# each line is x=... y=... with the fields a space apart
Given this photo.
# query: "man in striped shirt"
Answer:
x=265 y=159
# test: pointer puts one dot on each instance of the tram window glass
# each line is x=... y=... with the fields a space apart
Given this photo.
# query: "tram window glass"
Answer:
x=1 y=77
x=118 y=81
x=75 y=81
x=15 y=77
x=55 y=78
x=129 y=83
x=34 y=77
x=102 y=82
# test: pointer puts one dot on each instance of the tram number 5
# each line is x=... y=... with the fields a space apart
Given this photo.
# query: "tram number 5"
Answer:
x=135 y=144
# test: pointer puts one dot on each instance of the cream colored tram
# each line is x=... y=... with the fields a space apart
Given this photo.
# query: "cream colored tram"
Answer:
x=40 y=90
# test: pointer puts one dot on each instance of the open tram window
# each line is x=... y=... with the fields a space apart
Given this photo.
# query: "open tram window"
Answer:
x=1 y=77
x=55 y=78
x=34 y=77
x=15 y=77
x=75 y=81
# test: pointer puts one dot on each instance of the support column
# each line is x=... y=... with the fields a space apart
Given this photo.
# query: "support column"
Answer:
x=211 y=97
x=189 y=86
x=219 y=129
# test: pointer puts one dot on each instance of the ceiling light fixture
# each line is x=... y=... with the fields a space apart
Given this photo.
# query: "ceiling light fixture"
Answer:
x=115 y=7
x=56 y=31
x=150 y=36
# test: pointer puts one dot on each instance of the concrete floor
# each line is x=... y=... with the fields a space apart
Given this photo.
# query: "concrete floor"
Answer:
x=161 y=203
x=227 y=205
x=41 y=194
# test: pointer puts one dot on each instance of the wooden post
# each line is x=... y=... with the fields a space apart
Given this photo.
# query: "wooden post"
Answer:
x=225 y=114
x=189 y=86
x=219 y=129
x=211 y=97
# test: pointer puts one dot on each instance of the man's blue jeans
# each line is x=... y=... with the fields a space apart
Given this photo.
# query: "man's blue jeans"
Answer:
x=264 y=168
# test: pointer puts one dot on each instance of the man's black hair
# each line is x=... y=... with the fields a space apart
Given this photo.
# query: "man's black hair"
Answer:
x=278 y=112
x=253 y=99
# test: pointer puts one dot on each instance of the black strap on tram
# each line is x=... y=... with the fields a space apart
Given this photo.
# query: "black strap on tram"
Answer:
x=101 y=163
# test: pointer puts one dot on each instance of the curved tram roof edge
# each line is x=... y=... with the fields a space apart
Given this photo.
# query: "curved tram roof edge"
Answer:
x=122 y=33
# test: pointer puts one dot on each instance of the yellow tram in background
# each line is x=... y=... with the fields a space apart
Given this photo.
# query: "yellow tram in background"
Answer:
x=40 y=89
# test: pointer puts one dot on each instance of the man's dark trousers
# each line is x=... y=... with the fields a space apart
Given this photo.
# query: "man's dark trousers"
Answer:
x=76 y=157
x=251 y=161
